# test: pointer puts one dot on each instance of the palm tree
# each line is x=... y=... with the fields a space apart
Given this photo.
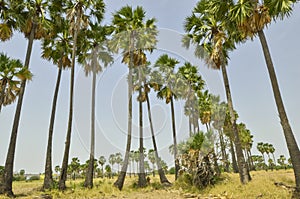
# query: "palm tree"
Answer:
x=102 y=161
x=260 y=147
x=169 y=92
x=118 y=159
x=131 y=34
x=56 y=48
x=214 y=41
x=9 y=20
x=74 y=167
x=12 y=72
x=112 y=160
x=246 y=142
x=194 y=84
x=151 y=157
x=93 y=50
x=267 y=149
x=30 y=15
x=79 y=13
x=218 y=118
x=252 y=17
x=161 y=173
x=272 y=150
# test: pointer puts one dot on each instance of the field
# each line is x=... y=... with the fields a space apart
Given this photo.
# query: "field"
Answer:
x=261 y=186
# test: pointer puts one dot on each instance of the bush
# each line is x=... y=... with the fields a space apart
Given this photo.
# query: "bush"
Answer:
x=172 y=170
x=34 y=177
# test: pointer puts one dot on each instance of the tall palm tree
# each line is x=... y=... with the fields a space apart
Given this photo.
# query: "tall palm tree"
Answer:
x=218 y=118
x=132 y=32
x=252 y=17
x=102 y=161
x=31 y=16
x=272 y=151
x=147 y=83
x=9 y=20
x=93 y=52
x=79 y=13
x=56 y=48
x=168 y=91
x=214 y=41
x=12 y=72
x=227 y=130
x=112 y=160
x=194 y=84
x=260 y=147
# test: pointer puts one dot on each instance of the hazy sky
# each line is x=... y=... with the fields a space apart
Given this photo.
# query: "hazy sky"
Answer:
x=250 y=85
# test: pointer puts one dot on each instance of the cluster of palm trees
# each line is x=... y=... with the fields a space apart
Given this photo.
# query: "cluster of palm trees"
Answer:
x=215 y=27
x=268 y=149
x=72 y=32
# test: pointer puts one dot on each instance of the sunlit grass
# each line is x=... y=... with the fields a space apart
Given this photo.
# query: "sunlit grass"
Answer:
x=261 y=186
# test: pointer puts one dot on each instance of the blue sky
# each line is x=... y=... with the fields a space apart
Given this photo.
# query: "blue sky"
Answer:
x=250 y=85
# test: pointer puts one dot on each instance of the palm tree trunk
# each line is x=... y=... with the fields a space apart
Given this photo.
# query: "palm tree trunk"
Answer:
x=223 y=151
x=161 y=173
x=121 y=177
x=64 y=167
x=48 y=180
x=243 y=169
x=190 y=126
x=89 y=174
x=142 y=182
x=6 y=185
x=287 y=130
x=2 y=93
x=233 y=157
x=176 y=162
x=251 y=160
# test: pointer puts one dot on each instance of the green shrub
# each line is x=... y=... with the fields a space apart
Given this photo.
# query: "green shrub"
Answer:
x=172 y=170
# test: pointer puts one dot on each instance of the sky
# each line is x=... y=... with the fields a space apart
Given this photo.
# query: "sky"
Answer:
x=250 y=86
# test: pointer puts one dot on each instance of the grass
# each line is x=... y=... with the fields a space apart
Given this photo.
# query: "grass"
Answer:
x=261 y=186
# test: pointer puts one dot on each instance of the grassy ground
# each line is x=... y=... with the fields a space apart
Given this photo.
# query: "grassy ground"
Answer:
x=261 y=186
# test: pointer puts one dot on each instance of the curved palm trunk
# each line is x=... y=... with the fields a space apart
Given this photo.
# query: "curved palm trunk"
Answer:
x=6 y=184
x=48 y=180
x=64 y=167
x=287 y=130
x=176 y=162
x=121 y=177
x=161 y=173
x=243 y=169
x=90 y=172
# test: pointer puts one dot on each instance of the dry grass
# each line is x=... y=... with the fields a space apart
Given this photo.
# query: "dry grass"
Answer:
x=261 y=186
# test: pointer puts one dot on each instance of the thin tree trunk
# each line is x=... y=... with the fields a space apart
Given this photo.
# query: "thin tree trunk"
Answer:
x=2 y=95
x=64 y=167
x=121 y=177
x=142 y=182
x=223 y=151
x=48 y=180
x=176 y=161
x=234 y=163
x=190 y=126
x=243 y=169
x=287 y=130
x=251 y=160
x=6 y=185
x=89 y=174
x=161 y=173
